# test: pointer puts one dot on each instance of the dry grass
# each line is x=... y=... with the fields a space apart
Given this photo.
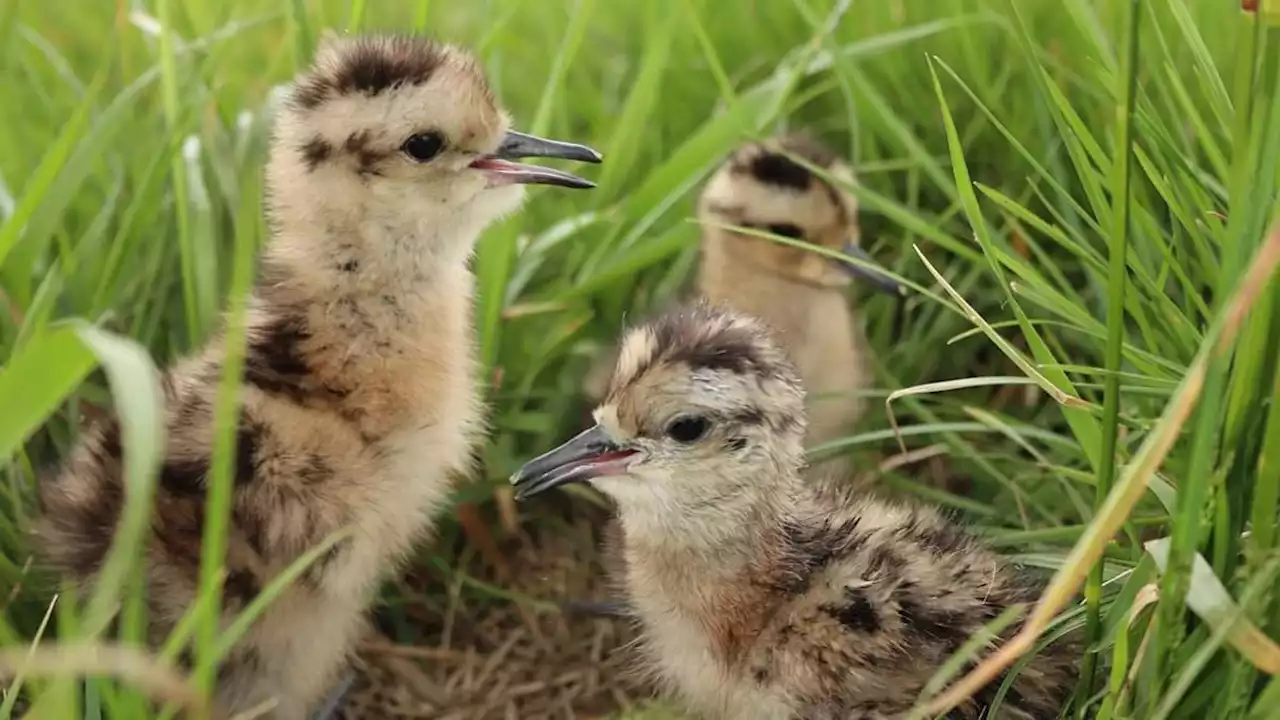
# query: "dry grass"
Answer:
x=482 y=657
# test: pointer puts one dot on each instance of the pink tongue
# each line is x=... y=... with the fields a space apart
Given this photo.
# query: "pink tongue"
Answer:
x=492 y=163
x=601 y=459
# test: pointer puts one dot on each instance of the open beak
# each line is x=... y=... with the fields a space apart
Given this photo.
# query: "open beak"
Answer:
x=502 y=171
x=879 y=280
x=591 y=454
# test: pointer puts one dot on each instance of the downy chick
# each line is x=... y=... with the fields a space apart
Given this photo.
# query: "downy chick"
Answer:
x=760 y=596
x=359 y=394
x=801 y=294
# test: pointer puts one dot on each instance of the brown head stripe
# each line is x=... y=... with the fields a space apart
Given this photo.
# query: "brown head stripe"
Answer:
x=371 y=65
x=775 y=168
x=702 y=337
x=807 y=147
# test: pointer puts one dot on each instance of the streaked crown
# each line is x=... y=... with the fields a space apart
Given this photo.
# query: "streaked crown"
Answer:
x=369 y=65
x=707 y=357
x=365 y=96
x=762 y=186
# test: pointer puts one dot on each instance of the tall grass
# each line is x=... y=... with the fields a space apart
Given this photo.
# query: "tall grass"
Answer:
x=1075 y=191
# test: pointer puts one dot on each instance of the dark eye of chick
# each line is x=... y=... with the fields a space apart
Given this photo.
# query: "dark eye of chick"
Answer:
x=688 y=429
x=423 y=146
x=786 y=230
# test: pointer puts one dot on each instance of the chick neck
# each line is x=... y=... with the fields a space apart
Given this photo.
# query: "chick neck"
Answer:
x=363 y=243
x=377 y=295
x=727 y=260
x=711 y=576
x=382 y=284
x=716 y=529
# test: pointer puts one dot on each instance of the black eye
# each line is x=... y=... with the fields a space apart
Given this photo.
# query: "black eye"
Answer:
x=688 y=429
x=786 y=230
x=423 y=146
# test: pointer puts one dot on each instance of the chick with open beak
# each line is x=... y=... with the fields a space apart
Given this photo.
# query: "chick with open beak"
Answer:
x=358 y=409
x=501 y=171
x=589 y=455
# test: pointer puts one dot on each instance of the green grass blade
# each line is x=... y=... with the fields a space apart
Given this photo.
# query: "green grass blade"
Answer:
x=135 y=387
x=226 y=421
x=36 y=380
x=1084 y=426
x=1118 y=243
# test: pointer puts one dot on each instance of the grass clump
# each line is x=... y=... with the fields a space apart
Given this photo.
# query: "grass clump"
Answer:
x=1080 y=194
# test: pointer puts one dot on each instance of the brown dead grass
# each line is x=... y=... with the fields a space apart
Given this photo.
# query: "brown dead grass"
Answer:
x=481 y=656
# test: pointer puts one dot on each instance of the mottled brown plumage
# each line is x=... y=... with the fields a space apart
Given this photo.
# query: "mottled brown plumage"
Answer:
x=759 y=596
x=359 y=400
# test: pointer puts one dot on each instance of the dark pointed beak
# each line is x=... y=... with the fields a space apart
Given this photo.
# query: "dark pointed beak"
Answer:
x=521 y=145
x=879 y=280
x=591 y=454
x=502 y=171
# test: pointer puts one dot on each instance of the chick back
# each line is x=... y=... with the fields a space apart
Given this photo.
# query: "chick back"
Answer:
x=882 y=596
x=275 y=510
x=320 y=445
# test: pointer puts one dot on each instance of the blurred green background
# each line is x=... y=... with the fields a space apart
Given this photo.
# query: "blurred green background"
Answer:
x=989 y=138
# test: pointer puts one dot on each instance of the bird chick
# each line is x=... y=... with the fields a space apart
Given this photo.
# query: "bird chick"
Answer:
x=359 y=399
x=760 y=596
x=801 y=294
x=798 y=292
